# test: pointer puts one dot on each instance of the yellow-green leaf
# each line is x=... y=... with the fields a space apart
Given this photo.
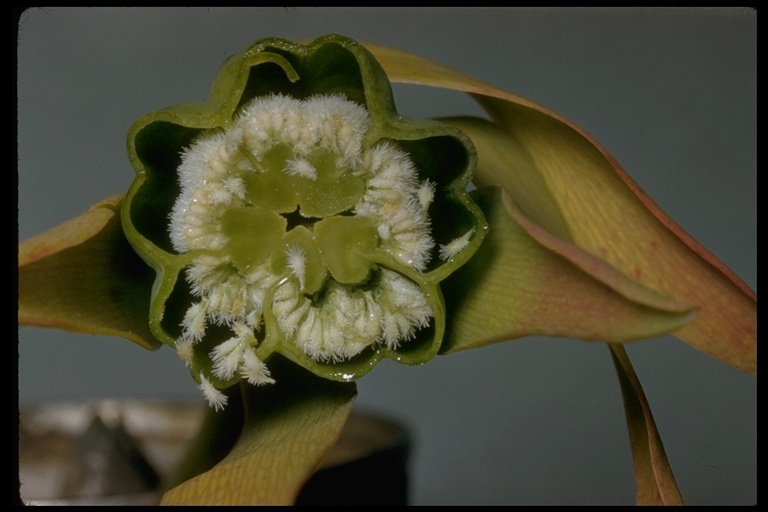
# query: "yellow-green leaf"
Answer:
x=289 y=426
x=655 y=482
x=524 y=281
x=596 y=205
x=83 y=276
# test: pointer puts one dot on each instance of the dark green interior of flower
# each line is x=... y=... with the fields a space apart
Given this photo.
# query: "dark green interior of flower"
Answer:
x=158 y=146
x=175 y=308
x=330 y=69
x=443 y=160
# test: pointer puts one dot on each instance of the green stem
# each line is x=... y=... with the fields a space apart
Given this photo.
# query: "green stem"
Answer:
x=217 y=435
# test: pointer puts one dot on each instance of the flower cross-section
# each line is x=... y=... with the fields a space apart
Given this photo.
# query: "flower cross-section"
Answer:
x=301 y=218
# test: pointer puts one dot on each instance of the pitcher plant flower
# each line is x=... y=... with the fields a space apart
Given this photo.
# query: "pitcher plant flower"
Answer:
x=310 y=219
x=296 y=222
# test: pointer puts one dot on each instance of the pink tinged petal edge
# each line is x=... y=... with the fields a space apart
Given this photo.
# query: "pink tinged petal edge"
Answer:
x=656 y=484
x=524 y=281
x=654 y=251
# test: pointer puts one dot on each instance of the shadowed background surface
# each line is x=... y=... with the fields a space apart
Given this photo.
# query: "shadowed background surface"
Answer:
x=670 y=93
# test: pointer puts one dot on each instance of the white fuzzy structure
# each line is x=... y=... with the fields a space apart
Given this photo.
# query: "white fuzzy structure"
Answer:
x=398 y=204
x=254 y=370
x=226 y=357
x=455 y=246
x=214 y=177
x=216 y=399
x=347 y=322
x=426 y=195
x=185 y=351
x=297 y=262
x=301 y=167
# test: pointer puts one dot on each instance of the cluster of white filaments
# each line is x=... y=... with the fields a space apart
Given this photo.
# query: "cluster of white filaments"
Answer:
x=349 y=319
x=399 y=203
x=337 y=322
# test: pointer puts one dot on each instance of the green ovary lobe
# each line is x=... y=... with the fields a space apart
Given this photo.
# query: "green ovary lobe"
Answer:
x=252 y=233
x=345 y=245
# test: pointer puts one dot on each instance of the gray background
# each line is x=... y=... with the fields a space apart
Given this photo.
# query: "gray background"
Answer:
x=670 y=93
